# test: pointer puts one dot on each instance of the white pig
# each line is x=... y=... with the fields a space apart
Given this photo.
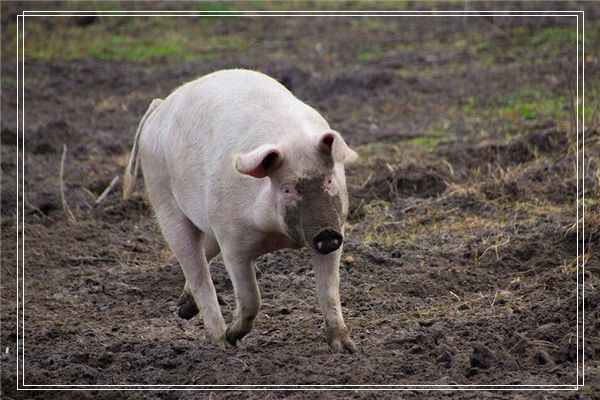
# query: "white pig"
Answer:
x=235 y=164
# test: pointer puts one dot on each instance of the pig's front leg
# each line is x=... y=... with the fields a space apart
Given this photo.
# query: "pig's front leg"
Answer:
x=327 y=276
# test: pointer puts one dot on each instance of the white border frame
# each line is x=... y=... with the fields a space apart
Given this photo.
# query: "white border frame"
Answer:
x=21 y=385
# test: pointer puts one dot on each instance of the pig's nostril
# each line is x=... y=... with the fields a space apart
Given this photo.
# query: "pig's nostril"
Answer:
x=327 y=240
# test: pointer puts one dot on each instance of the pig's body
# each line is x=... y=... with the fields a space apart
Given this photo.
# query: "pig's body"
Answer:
x=231 y=162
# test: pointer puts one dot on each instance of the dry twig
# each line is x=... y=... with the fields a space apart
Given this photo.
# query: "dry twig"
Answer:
x=65 y=206
x=108 y=189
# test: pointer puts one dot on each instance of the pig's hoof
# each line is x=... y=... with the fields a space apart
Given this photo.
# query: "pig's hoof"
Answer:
x=232 y=337
x=342 y=344
x=186 y=306
x=223 y=343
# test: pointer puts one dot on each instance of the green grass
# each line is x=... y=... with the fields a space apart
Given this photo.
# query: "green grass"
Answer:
x=519 y=106
x=117 y=47
x=97 y=5
x=529 y=105
x=537 y=105
x=372 y=54
x=110 y=40
x=544 y=42
x=553 y=36
x=432 y=138
x=320 y=5
x=218 y=7
x=370 y=24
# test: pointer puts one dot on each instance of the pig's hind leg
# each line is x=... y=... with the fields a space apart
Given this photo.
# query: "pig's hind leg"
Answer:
x=187 y=243
x=186 y=305
x=240 y=267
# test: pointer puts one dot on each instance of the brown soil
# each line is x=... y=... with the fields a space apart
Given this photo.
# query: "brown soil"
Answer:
x=458 y=268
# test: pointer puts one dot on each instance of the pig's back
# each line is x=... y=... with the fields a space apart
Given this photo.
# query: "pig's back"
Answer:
x=225 y=112
x=198 y=128
x=227 y=104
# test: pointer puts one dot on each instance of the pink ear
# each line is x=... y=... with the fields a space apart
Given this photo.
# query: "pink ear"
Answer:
x=332 y=143
x=260 y=162
x=326 y=143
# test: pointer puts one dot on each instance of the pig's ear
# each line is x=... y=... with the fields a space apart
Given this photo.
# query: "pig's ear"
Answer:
x=331 y=143
x=260 y=162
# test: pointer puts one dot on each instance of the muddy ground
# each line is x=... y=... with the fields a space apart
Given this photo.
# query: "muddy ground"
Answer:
x=460 y=262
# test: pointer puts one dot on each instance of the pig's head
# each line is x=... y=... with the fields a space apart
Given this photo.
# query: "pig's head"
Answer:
x=306 y=187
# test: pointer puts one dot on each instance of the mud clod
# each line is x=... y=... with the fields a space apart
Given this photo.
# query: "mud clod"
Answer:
x=405 y=181
x=542 y=357
x=8 y=136
x=461 y=365
x=482 y=357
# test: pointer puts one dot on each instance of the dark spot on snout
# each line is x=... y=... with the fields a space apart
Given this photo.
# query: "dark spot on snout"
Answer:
x=317 y=214
x=327 y=240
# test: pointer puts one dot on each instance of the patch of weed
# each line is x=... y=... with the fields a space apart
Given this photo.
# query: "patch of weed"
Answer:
x=524 y=105
x=432 y=138
x=105 y=5
x=369 y=25
x=126 y=41
x=373 y=53
x=214 y=7
x=322 y=5
x=552 y=36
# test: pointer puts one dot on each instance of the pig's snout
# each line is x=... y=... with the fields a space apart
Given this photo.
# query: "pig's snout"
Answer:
x=327 y=240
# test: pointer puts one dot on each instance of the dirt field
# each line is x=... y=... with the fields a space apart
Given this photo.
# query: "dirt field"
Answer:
x=460 y=262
